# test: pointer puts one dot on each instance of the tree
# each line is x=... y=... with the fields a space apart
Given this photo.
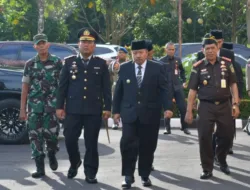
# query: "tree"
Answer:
x=248 y=21
x=20 y=19
x=112 y=19
x=227 y=15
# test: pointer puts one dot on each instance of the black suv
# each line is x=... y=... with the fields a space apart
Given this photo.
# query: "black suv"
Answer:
x=13 y=56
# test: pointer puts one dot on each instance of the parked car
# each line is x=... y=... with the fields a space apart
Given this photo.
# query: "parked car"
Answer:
x=104 y=51
x=189 y=48
x=12 y=59
x=14 y=54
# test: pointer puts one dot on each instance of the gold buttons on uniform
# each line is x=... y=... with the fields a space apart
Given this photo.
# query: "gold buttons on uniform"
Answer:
x=85 y=71
x=139 y=102
x=85 y=80
x=84 y=97
x=85 y=88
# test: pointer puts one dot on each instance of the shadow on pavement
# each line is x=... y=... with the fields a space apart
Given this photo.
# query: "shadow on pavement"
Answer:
x=4 y=188
x=192 y=184
x=183 y=139
x=103 y=150
x=17 y=175
x=75 y=183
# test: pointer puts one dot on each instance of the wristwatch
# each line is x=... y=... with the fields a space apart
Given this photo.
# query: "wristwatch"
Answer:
x=236 y=104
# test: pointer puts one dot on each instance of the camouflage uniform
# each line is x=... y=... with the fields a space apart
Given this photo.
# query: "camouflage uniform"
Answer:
x=42 y=123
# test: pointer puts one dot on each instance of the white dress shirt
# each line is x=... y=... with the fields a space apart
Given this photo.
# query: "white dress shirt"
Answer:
x=143 y=68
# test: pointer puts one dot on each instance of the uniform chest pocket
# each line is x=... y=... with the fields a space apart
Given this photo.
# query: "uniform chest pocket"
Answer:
x=205 y=78
x=37 y=74
x=97 y=76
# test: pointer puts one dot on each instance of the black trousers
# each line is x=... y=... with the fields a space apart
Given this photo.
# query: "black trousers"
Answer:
x=182 y=106
x=214 y=138
x=138 y=140
x=209 y=114
x=73 y=125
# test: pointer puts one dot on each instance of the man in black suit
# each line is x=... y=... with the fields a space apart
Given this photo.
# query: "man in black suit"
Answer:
x=141 y=92
x=85 y=86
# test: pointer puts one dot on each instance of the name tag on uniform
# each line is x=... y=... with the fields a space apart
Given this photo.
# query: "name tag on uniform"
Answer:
x=97 y=68
x=49 y=66
x=223 y=83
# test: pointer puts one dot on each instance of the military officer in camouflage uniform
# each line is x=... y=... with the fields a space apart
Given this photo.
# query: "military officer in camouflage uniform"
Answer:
x=86 y=91
x=114 y=68
x=39 y=89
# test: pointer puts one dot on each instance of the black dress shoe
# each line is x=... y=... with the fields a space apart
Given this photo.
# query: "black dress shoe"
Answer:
x=206 y=175
x=186 y=131
x=73 y=171
x=146 y=182
x=129 y=180
x=167 y=132
x=230 y=151
x=152 y=168
x=225 y=169
x=216 y=161
x=91 y=180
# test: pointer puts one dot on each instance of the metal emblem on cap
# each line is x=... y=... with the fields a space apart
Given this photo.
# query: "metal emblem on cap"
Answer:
x=86 y=33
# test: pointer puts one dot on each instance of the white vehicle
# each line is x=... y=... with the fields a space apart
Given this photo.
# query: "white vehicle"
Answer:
x=104 y=51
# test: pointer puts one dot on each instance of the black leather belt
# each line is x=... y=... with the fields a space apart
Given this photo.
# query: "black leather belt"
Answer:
x=215 y=102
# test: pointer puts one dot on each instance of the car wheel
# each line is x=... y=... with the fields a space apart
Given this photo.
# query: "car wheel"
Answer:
x=12 y=130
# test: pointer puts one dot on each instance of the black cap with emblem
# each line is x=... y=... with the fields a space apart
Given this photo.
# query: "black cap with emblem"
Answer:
x=87 y=34
x=209 y=39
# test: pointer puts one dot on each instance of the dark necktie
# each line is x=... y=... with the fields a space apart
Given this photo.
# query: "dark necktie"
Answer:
x=85 y=62
x=139 y=76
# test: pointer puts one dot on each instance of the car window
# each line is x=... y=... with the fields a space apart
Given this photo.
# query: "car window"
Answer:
x=9 y=52
x=27 y=52
x=61 y=52
x=102 y=50
x=116 y=48
x=240 y=60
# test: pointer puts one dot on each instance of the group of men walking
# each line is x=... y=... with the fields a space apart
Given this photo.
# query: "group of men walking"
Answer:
x=78 y=91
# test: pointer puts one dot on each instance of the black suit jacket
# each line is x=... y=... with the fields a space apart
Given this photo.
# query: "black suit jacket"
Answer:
x=145 y=102
x=175 y=79
x=90 y=92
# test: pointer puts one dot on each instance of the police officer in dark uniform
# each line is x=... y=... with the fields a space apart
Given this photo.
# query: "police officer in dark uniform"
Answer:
x=85 y=87
x=177 y=73
x=213 y=79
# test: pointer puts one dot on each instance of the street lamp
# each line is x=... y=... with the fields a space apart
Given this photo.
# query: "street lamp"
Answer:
x=200 y=21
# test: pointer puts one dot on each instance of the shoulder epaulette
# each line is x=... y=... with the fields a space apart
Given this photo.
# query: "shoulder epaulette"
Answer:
x=197 y=63
x=227 y=59
x=70 y=57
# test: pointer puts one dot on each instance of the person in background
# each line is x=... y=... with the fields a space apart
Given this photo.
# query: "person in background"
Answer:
x=178 y=79
x=114 y=68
